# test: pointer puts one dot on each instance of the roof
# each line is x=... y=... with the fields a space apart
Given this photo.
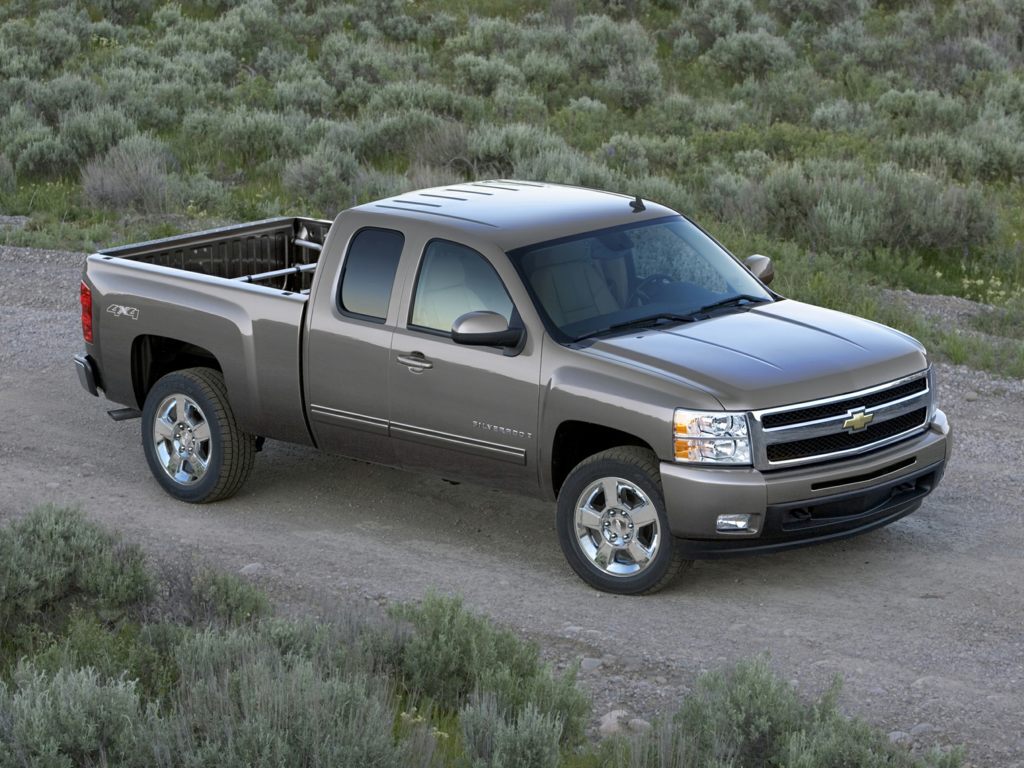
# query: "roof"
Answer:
x=517 y=213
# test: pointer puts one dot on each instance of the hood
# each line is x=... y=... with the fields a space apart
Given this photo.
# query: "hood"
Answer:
x=776 y=354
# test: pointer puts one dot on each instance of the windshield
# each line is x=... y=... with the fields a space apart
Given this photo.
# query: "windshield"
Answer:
x=658 y=271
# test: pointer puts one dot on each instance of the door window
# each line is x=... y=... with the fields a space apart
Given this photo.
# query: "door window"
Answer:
x=452 y=281
x=369 y=273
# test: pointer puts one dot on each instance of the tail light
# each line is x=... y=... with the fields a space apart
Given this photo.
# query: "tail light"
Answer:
x=85 y=297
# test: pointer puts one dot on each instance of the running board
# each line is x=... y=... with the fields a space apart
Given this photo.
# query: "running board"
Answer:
x=124 y=414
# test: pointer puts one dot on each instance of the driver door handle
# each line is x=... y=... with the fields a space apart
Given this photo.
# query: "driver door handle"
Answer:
x=414 y=361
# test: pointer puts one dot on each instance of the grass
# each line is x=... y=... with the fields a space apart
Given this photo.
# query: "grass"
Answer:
x=832 y=134
x=119 y=663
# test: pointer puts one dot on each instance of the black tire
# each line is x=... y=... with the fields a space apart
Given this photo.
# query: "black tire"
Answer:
x=637 y=483
x=229 y=452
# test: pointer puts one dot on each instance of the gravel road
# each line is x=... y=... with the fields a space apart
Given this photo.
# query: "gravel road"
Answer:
x=924 y=619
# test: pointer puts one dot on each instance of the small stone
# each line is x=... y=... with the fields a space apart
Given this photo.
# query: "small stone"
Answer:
x=573 y=630
x=921 y=729
x=899 y=737
x=589 y=664
x=971 y=396
x=251 y=569
x=639 y=725
x=611 y=723
x=661 y=680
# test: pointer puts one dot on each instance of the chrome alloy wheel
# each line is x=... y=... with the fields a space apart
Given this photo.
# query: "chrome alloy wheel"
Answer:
x=181 y=439
x=617 y=526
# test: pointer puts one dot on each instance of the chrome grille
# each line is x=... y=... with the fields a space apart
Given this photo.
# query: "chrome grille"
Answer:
x=803 y=433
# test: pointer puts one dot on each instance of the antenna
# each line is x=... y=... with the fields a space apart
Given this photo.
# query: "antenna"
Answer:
x=637 y=205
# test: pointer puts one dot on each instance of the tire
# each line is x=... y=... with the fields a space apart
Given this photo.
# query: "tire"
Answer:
x=192 y=442
x=625 y=548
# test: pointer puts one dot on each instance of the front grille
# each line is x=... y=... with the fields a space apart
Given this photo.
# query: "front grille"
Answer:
x=844 y=441
x=816 y=412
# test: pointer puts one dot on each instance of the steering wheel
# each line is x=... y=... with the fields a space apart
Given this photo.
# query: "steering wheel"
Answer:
x=640 y=290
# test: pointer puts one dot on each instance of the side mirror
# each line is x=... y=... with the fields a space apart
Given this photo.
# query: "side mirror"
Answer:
x=485 y=329
x=762 y=268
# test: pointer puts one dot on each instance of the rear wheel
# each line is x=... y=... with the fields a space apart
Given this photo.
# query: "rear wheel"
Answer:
x=192 y=443
x=612 y=525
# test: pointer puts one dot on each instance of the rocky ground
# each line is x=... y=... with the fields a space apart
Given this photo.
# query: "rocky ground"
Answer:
x=923 y=619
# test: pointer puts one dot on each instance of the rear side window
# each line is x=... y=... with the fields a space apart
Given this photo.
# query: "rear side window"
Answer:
x=369 y=273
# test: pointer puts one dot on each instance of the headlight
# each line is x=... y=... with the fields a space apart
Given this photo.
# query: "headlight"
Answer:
x=711 y=437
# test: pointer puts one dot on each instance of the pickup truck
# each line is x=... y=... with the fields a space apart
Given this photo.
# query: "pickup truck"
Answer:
x=593 y=349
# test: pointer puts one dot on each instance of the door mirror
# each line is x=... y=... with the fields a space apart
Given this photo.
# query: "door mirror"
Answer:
x=762 y=268
x=485 y=329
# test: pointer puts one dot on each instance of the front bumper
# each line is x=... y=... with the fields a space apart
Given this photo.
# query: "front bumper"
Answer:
x=805 y=505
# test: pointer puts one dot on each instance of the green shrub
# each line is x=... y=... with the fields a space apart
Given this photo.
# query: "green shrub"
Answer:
x=242 y=703
x=8 y=179
x=452 y=653
x=493 y=739
x=323 y=178
x=54 y=555
x=135 y=174
x=74 y=718
x=88 y=134
x=515 y=104
x=482 y=75
x=750 y=54
x=916 y=111
x=227 y=598
x=747 y=716
x=817 y=12
x=627 y=153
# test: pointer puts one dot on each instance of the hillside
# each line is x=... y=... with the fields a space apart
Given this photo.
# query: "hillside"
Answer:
x=862 y=145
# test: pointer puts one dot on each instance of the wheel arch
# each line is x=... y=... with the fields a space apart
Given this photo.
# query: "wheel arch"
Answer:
x=153 y=357
x=575 y=441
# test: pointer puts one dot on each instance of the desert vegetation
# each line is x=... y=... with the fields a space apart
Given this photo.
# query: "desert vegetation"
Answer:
x=107 y=659
x=862 y=144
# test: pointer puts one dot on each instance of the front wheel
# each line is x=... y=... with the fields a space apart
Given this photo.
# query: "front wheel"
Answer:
x=193 y=445
x=612 y=525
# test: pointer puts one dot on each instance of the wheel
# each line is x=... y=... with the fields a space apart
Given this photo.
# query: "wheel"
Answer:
x=193 y=445
x=612 y=525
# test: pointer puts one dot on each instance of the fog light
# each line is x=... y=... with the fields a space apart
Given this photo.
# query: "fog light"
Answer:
x=733 y=523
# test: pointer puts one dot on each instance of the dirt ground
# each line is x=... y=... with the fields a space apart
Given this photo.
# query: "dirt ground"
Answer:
x=924 y=620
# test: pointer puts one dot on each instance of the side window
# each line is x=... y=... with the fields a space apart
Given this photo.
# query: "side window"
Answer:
x=369 y=273
x=454 y=280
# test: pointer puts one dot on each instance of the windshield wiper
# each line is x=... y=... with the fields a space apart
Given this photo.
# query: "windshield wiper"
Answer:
x=733 y=301
x=648 y=321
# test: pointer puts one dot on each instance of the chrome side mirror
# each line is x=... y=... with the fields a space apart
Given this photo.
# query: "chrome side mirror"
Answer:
x=485 y=329
x=762 y=268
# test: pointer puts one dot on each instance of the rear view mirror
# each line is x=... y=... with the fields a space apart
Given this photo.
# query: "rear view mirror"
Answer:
x=762 y=268
x=485 y=329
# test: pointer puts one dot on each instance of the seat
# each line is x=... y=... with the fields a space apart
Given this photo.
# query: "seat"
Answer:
x=570 y=286
x=443 y=294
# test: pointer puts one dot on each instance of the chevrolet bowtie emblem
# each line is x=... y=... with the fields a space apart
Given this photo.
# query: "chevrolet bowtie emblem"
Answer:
x=857 y=420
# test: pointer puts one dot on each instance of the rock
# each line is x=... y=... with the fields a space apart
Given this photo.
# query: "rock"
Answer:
x=589 y=665
x=661 y=680
x=611 y=723
x=639 y=725
x=251 y=569
x=971 y=396
x=899 y=737
x=921 y=729
x=573 y=630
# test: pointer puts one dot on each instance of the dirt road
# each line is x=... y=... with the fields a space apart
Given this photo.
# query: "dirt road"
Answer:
x=924 y=619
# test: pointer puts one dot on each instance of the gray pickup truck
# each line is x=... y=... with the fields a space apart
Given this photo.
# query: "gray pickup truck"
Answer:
x=589 y=348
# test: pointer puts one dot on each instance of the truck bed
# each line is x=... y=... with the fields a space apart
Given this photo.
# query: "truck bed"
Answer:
x=280 y=253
